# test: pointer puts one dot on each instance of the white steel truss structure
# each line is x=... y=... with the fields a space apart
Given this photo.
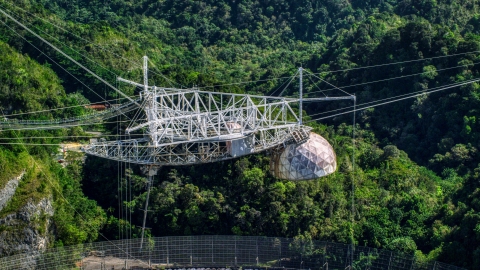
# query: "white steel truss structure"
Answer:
x=89 y=119
x=189 y=126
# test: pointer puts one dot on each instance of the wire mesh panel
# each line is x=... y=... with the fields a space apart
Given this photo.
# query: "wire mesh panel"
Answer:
x=160 y=252
x=269 y=251
x=219 y=253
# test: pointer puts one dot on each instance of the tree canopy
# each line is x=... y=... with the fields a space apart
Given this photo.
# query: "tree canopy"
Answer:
x=416 y=161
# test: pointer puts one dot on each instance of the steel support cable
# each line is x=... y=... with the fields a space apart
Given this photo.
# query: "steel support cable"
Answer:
x=334 y=87
x=323 y=72
x=32 y=144
x=67 y=56
x=402 y=62
x=119 y=180
x=53 y=61
x=68 y=202
x=173 y=117
x=353 y=179
x=396 y=100
x=37 y=144
x=278 y=88
x=149 y=185
x=129 y=190
x=137 y=115
x=47 y=126
x=57 y=65
x=129 y=167
x=127 y=202
x=13 y=30
x=62 y=43
x=166 y=78
x=365 y=67
x=63 y=108
x=120 y=207
x=66 y=137
x=315 y=85
x=58 y=126
x=245 y=82
x=398 y=96
x=381 y=65
x=291 y=80
x=105 y=114
x=89 y=41
x=63 y=123
x=397 y=63
x=395 y=78
x=118 y=170
x=172 y=83
x=138 y=64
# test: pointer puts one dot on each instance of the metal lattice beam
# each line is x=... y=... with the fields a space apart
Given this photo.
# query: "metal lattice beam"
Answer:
x=189 y=126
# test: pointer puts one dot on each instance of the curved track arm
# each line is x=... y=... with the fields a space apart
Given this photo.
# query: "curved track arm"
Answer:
x=66 y=122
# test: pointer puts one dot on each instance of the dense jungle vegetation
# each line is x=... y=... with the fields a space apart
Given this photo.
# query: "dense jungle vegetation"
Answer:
x=417 y=170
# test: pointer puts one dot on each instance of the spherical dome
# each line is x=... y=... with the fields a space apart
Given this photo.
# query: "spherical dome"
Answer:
x=312 y=159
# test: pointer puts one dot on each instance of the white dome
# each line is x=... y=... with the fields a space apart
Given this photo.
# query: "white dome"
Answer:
x=312 y=159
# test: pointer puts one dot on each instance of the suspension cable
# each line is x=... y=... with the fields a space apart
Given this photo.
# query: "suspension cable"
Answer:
x=396 y=63
x=67 y=56
x=395 y=100
x=398 y=96
x=394 y=78
x=68 y=202
x=99 y=46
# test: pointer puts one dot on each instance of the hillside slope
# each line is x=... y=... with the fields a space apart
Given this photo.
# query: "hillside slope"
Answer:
x=430 y=209
x=40 y=200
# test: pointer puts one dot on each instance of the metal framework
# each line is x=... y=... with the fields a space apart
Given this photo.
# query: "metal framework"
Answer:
x=218 y=252
x=189 y=126
x=90 y=119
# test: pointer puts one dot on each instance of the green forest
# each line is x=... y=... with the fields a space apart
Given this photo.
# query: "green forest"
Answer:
x=416 y=165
